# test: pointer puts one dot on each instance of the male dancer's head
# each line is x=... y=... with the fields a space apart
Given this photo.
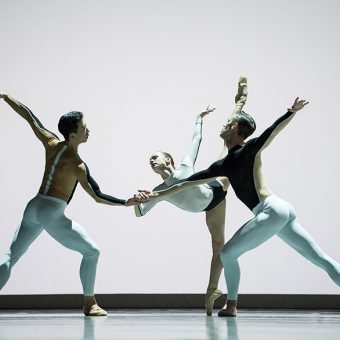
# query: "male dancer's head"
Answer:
x=72 y=126
x=238 y=128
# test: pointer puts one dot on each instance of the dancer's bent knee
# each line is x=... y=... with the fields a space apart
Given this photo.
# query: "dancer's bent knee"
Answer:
x=93 y=252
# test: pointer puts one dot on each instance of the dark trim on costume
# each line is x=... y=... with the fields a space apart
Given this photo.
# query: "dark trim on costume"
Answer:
x=74 y=189
x=38 y=121
x=97 y=191
x=218 y=195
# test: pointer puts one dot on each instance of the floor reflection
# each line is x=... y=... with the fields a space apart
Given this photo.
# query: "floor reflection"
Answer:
x=221 y=328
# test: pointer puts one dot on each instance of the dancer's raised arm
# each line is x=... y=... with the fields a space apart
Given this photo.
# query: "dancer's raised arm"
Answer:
x=44 y=135
x=269 y=134
x=191 y=156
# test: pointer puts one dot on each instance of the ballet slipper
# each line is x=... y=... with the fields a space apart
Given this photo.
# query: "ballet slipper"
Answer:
x=95 y=310
x=210 y=300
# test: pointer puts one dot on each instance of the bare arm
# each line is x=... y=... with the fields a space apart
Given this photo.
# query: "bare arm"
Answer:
x=44 y=135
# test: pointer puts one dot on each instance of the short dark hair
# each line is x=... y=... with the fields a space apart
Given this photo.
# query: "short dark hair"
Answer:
x=68 y=123
x=168 y=155
x=246 y=124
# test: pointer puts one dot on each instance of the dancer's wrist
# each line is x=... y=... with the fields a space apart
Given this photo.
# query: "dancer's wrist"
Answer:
x=199 y=118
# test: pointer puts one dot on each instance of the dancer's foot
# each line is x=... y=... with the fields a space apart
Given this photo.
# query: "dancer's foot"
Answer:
x=94 y=310
x=228 y=311
x=210 y=298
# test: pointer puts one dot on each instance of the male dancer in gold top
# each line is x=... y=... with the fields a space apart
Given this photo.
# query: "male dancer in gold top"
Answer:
x=63 y=169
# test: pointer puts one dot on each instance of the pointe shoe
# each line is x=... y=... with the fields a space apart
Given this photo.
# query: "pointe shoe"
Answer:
x=228 y=311
x=95 y=310
x=210 y=300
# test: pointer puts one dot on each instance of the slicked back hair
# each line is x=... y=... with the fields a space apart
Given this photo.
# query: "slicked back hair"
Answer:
x=68 y=123
x=168 y=155
x=246 y=124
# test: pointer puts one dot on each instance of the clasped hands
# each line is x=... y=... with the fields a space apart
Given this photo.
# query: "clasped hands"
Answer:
x=141 y=197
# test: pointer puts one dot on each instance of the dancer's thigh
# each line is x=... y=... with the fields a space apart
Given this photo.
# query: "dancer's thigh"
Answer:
x=24 y=235
x=256 y=231
x=299 y=239
x=71 y=235
x=215 y=219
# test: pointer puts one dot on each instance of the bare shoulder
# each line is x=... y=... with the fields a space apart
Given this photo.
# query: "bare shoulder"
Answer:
x=80 y=166
x=73 y=163
x=52 y=143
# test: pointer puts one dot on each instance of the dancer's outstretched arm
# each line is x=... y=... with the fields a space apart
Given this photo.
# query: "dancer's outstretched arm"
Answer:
x=92 y=188
x=269 y=134
x=44 y=135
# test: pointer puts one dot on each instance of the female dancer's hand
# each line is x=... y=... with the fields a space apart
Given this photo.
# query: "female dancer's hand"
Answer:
x=206 y=111
x=146 y=194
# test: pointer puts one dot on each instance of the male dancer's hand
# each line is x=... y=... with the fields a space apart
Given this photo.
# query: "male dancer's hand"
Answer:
x=298 y=105
x=206 y=111
x=3 y=95
x=134 y=201
x=141 y=197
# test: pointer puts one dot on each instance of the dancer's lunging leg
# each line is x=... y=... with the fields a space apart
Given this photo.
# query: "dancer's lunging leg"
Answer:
x=300 y=240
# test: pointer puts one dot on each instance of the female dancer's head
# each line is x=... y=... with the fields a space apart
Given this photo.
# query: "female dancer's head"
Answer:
x=161 y=161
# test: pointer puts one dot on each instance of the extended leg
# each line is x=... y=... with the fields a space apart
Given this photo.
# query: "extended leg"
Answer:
x=25 y=234
x=298 y=238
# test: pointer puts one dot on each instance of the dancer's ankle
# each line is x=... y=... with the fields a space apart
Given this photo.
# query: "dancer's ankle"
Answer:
x=231 y=303
x=89 y=301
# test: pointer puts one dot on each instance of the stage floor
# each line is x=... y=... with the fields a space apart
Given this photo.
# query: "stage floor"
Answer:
x=170 y=325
